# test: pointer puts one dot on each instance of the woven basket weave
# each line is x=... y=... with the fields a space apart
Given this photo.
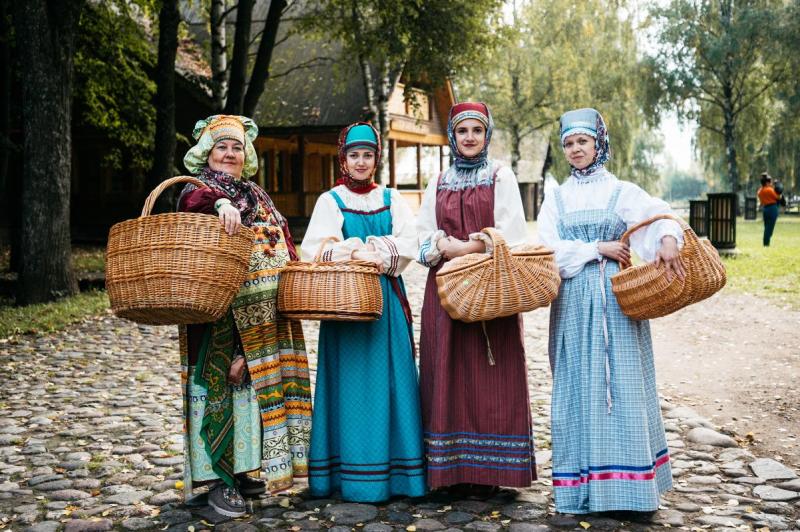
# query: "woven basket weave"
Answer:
x=174 y=268
x=643 y=292
x=479 y=287
x=339 y=291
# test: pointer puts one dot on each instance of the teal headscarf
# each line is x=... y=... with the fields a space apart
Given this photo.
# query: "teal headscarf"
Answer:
x=222 y=127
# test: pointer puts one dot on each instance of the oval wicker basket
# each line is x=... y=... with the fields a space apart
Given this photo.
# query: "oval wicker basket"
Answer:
x=338 y=291
x=643 y=292
x=479 y=287
x=174 y=268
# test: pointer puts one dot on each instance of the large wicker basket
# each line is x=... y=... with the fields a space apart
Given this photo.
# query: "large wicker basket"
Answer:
x=479 y=287
x=643 y=292
x=338 y=291
x=174 y=268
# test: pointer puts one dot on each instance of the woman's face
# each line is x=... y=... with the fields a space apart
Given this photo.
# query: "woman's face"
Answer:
x=580 y=150
x=227 y=156
x=470 y=137
x=361 y=163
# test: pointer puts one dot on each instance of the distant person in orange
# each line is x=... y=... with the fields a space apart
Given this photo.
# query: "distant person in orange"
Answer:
x=769 y=198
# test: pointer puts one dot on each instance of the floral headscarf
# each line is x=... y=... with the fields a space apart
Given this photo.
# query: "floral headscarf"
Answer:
x=360 y=186
x=458 y=113
x=590 y=122
x=222 y=127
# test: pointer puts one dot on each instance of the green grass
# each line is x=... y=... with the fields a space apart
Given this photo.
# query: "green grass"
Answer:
x=84 y=259
x=772 y=272
x=48 y=317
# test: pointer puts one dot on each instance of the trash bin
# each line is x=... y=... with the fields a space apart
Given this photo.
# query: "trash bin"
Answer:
x=750 y=208
x=722 y=220
x=698 y=217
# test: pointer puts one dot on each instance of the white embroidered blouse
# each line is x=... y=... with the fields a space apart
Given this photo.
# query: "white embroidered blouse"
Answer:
x=509 y=217
x=594 y=192
x=397 y=250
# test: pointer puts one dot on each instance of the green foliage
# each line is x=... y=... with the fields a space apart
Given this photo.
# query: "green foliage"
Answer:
x=678 y=185
x=720 y=64
x=772 y=272
x=113 y=90
x=427 y=41
x=564 y=54
x=48 y=317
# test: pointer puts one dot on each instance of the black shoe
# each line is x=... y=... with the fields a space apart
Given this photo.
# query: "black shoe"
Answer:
x=226 y=501
x=249 y=486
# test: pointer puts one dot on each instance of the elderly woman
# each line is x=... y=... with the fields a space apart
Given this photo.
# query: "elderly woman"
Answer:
x=473 y=376
x=367 y=439
x=247 y=395
x=609 y=447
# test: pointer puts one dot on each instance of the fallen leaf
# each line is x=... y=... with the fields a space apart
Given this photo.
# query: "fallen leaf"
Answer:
x=585 y=525
x=284 y=503
x=411 y=528
x=179 y=484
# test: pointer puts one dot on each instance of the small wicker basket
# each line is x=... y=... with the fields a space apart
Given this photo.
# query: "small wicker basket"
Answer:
x=174 y=268
x=479 y=287
x=338 y=291
x=643 y=292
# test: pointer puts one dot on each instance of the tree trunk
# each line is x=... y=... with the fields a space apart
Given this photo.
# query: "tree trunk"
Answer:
x=46 y=50
x=164 y=155
x=219 y=54
x=12 y=186
x=729 y=130
x=241 y=51
x=516 y=138
x=260 y=75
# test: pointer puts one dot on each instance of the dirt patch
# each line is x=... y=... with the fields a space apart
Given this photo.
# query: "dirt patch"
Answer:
x=735 y=359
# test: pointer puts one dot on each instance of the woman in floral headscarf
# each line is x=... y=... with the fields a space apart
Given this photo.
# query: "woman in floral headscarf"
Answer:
x=473 y=376
x=609 y=448
x=247 y=394
x=367 y=439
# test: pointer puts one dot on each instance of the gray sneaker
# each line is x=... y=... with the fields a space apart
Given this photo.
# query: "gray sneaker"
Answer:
x=226 y=501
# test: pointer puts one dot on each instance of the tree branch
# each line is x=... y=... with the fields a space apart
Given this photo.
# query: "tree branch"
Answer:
x=306 y=64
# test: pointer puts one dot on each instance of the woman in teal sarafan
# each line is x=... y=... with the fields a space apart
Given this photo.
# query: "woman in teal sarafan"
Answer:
x=367 y=437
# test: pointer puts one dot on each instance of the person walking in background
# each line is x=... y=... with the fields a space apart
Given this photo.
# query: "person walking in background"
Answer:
x=367 y=438
x=609 y=445
x=475 y=404
x=769 y=198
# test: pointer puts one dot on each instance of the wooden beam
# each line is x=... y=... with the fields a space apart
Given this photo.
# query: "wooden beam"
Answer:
x=392 y=163
x=441 y=159
x=419 y=166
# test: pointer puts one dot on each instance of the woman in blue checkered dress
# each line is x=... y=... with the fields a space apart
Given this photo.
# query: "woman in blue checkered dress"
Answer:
x=609 y=447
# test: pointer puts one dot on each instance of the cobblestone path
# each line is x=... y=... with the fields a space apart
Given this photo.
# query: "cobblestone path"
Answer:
x=90 y=440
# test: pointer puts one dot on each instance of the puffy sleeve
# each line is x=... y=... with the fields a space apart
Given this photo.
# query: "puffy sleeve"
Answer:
x=428 y=231
x=327 y=220
x=635 y=205
x=200 y=200
x=509 y=216
x=571 y=255
x=399 y=248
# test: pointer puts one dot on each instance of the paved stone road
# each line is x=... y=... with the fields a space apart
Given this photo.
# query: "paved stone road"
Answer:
x=90 y=440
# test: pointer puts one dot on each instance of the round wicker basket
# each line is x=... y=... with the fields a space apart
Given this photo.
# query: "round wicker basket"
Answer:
x=479 y=287
x=643 y=292
x=174 y=268
x=338 y=291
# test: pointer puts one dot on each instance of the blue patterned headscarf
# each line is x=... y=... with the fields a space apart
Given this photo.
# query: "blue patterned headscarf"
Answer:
x=590 y=122
x=458 y=113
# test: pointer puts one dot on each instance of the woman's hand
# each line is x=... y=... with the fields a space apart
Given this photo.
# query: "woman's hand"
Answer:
x=670 y=257
x=368 y=256
x=231 y=218
x=616 y=250
x=237 y=371
x=452 y=247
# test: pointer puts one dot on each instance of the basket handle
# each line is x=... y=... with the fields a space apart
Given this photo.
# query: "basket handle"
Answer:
x=501 y=252
x=153 y=196
x=325 y=240
x=687 y=230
